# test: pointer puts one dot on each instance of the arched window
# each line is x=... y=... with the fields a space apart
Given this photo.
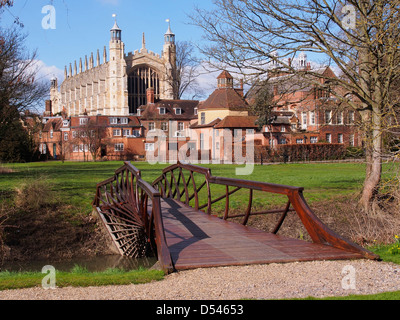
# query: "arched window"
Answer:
x=139 y=80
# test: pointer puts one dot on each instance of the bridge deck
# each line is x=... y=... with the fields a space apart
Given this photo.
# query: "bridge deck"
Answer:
x=197 y=240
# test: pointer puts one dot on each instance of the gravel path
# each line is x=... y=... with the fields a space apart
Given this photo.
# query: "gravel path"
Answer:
x=274 y=281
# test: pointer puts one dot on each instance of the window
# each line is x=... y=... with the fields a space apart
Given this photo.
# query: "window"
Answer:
x=83 y=121
x=164 y=126
x=75 y=148
x=65 y=123
x=328 y=138
x=117 y=132
x=149 y=146
x=162 y=111
x=340 y=118
x=65 y=136
x=136 y=133
x=304 y=121
x=249 y=131
x=352 y=140
x=217 y=145
x=119 y=147
x=124 y=121
x=340 y=138
x=313 y=140
x=282 y=141
x=283 y=129
x=328 y=117
x=203 y=118
x=196 y=111
x=201 y=141
x=74 y=134
x=113 y=120
x=51 y=134
x=299 y=141
x=127 y=132
x=181 y=126
x=351 y=117
x=312 y=118
x=178 y=111
x=173 y=146
x=152 y=126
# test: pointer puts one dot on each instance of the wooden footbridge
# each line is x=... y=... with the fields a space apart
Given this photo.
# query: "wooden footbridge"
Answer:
x=173 y=219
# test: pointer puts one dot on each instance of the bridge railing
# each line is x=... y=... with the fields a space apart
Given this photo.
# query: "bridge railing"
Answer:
x=130 y=209
x=195 y=186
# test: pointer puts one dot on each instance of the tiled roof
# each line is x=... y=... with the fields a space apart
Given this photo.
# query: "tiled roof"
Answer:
x=151 y=111
x=237 y=122
x=225 y=98
x=54 y=124
x=208 y=125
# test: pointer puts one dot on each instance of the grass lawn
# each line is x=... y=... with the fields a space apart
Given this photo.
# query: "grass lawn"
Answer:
x=76 y=183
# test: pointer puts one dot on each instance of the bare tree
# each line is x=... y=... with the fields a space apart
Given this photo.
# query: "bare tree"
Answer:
x=360 y=38
x=92 y=137
x=19 y=88
x=187 y=71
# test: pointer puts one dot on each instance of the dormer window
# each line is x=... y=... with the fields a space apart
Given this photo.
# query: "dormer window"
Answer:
x=65 y=123
x=196 y=111
x=113 y=120
x=83 y=121
x=124 y=121
x=178 y=111
x=163 y=111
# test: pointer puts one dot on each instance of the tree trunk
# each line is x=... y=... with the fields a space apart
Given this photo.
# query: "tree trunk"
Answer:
x=374 y=164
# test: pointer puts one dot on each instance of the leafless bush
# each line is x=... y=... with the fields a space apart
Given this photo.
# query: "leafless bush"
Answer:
x=34 y=195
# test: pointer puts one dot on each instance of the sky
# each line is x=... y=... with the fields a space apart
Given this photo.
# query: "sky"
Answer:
x=83 y=26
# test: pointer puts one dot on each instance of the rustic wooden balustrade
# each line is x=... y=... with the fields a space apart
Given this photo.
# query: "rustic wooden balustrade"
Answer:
x=130 y=209
x=175 y=185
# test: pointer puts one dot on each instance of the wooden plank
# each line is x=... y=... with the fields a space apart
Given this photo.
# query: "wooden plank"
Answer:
x=198 y=240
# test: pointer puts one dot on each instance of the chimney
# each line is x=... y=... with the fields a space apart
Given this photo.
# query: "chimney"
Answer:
x=48 y=108
x=241 y=88
x=150 y=96
x=308 y=66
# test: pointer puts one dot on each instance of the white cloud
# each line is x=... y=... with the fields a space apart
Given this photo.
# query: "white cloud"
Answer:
x=45 y=72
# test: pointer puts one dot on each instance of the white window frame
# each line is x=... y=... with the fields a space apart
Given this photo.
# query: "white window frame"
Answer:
x=178 y=111
x=152 y=126
x=119 y=147
x=312 y=118
x=340 y=138
x=124 y=120
x=83 y=121
x=162 y=110
x=313 y=140
x=113 y=120
x=329 y=137
x=116 y=132
x=126 y=132
x=66 y=136
x=149 y=147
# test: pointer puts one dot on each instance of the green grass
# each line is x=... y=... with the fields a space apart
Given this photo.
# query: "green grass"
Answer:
x=75 y=183
x=79 y=277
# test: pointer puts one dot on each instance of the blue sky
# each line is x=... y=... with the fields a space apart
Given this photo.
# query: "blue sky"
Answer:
x=84 y=26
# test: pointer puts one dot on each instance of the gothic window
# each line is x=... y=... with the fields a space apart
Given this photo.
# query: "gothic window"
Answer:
x=139 y=80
